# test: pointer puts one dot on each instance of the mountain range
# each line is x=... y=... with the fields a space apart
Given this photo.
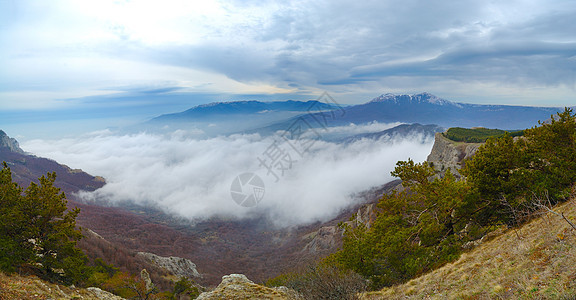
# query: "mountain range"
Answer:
x=424 y=108
x=230 y=117
x=217 y=109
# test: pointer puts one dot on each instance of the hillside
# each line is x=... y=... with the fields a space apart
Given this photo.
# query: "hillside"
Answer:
x=535 y=261
x=32 y=288
x=27 y=168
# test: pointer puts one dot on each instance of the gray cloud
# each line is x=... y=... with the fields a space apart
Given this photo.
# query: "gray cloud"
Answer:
x=513 y=62
x=345 y=46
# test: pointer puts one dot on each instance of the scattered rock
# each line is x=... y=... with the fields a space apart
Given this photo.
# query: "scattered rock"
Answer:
x=237 y=286
x=100 y=294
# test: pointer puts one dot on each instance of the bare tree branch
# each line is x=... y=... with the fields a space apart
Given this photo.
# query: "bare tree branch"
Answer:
x=547 y=207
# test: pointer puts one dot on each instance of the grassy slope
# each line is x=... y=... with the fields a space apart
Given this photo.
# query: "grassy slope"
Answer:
x=539 y=265
x=31 y=287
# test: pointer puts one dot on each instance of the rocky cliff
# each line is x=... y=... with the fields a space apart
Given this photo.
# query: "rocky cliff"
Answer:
x=10 y=143
x=178 y=266
x=449 y=154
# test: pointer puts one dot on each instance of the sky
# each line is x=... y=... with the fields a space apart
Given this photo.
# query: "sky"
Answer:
x=125 y=61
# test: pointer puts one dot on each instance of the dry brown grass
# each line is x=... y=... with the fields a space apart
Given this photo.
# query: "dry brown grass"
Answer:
x=538 y=261
x=14 y=287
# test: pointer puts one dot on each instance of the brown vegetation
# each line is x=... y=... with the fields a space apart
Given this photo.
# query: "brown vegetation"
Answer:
x=32 y=288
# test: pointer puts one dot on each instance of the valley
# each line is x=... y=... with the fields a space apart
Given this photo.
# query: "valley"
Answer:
x=241 y=149
x=254 y=245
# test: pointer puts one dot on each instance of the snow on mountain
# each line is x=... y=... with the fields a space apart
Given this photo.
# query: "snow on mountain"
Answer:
x=413 y=99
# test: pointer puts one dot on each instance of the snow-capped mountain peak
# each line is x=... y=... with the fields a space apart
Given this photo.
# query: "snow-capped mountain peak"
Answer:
x=413 y=99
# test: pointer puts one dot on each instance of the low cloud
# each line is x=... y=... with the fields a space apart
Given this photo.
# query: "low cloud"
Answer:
x=191 y=178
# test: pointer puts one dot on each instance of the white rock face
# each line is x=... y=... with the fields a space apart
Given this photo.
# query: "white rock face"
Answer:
x=447 y=154
x=10 y=143
x=178 y=266
x=100 y=294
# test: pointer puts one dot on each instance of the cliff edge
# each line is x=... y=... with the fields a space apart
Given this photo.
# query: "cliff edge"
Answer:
x=10 y=143
x=449 y=154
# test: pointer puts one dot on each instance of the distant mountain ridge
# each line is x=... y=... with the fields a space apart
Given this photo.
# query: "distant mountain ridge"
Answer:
x=223 y=118
x=205 y=111
x=425 y=108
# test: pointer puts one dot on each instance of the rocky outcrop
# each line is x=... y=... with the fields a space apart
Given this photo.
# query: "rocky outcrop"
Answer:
x=145 y=276
x=237 y=286
x=10 y=143
x=178 y=266
x=365 y=215
x=323 y=239
x=97 y=293
x=449 y=154
x=328 y=238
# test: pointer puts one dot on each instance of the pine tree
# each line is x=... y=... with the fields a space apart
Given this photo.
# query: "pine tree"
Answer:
x=37 y=230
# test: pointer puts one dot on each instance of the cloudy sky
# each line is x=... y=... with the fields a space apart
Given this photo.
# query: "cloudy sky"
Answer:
x=114 y=59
